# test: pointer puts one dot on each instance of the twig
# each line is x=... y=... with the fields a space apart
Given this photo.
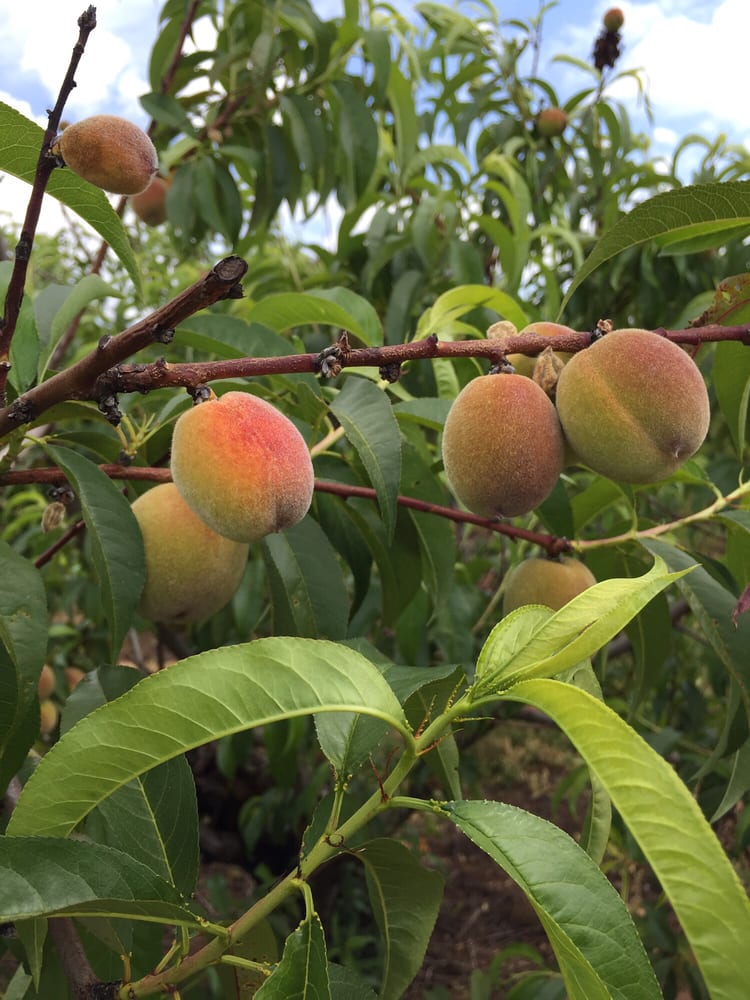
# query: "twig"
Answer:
x=67 y=338
x=45 y=165
x=584 y=545
x=551 y=543
x=73 y=959
x=54 y=476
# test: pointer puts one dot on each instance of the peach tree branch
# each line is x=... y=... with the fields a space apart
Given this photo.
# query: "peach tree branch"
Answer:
x=65 y=341
x=53 y=476
x=100 y=376
x=45 y=165
x=76 y=382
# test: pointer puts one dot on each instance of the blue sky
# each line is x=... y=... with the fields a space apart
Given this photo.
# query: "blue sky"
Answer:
x=693 y=53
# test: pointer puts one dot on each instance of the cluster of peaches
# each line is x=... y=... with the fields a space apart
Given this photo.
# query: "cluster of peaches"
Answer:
x=631 y=407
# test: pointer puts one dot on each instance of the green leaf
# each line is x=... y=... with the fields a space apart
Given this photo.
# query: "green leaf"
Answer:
x=523 y=646
x=347 y=739
x=405 y=898
x=598 y=822
x=89 y=289
x=302 y=972
x=154 y=819
x=712 y=606
x=364 y=313
x=688 y=212
x=590 y=928
x=367 y=417
x=115 y=538
x=232 y=337
x=450 y=306
x=202 y=698
x=347 y=984
x=23 y=647
x=20 y=144
x=24 y=350
x=739 y=781
x=399 y=564
x=32 y=933
x=288 y=309
x=307 y=586
x=698 y=878
x=431 y=412
x=99 y=686
x=45 y=876
x=731 y=375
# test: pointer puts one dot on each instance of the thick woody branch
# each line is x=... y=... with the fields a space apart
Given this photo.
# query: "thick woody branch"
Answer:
x=78 y=381
x=45 y=166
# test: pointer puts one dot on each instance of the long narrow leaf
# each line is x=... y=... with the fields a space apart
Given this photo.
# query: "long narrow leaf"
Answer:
x=698 y=210
x=520 y=646
x=197 y=700
x=405 y=898
x=593 y=934
x=115 y=538
x=41 y=876
x=702 y=886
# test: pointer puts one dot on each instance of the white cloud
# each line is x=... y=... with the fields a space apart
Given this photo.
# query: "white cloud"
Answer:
x=693 y=56
x=38 y=39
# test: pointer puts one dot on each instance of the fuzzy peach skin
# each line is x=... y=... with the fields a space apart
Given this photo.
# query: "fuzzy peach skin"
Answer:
x=502 y=446
x=191 y=571
x=550 y=582
x=110 y=152
x=242 y=466
x=633 y=406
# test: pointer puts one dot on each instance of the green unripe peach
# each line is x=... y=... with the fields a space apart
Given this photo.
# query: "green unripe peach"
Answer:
x=110 y=152
x=502 y=446
x=633 y=406
x=47 y=682
x=550 y=582
x=551 y=122
x=242 y=466
x=151 y=205
x=191 y=571
x=613 y=19
x=524 y=363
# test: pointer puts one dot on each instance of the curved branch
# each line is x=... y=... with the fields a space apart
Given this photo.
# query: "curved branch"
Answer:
x=77 y=382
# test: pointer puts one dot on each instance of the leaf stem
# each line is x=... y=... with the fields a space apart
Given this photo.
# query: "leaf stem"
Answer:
x=326 y=848
x=585 y=545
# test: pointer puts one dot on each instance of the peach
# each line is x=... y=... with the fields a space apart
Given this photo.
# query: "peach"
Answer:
x=551 y=122
x=191 y=571
x=633 y=406
x=502 y=446
x=151 y=205
x=110 y=152
x=613 y=19
x=47 y=682
x=550 y=582
x=242 y=466
x=73 y=677
x=48 y=716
